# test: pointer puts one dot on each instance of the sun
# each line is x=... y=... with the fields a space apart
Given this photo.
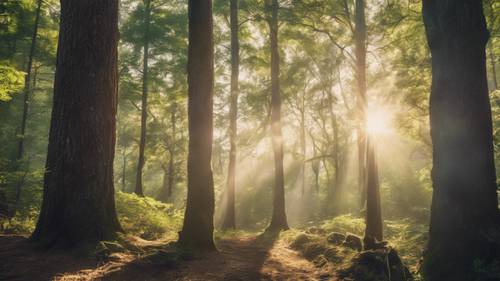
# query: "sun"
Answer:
x=378 y=121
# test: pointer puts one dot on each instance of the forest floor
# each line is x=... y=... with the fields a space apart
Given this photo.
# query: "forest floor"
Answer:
x=247 y=258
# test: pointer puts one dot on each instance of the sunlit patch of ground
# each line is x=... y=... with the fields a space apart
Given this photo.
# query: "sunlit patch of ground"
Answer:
x=239 y=258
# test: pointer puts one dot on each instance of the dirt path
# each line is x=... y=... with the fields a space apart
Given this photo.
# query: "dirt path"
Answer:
x=241 y=259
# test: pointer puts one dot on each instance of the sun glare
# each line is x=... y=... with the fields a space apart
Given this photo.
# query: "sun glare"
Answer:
x=378 y=121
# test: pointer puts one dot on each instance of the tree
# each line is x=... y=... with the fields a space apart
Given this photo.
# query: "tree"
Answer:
x=368 y=170
x=198 y=227
x=78 y=201
x=144 y=107
x=278 y=219
x=230 y=216
x=464 y=204
x=27 y=81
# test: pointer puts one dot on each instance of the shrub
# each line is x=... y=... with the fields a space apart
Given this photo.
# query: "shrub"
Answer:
x=146 y=217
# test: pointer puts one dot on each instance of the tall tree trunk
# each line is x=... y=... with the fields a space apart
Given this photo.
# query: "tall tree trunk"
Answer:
x=464 y=203
x=78 y=199
x=144 y=108
x=27 y=81
x=369 y=170
x=303 y=144
x=171 y=160
x=360 y=52
x=124 y=169
x=278 y=220
x=197 y=231
x=230 y=216
x=373 y=209
x=334 y=191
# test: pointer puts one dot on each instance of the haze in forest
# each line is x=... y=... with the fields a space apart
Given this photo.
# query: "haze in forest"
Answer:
x=249 y=140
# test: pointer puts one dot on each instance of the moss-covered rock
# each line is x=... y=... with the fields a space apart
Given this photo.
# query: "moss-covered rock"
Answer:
x=354 y=242
x=335 y=238
x=376 y=265
x=299 y=241
x=313 y=249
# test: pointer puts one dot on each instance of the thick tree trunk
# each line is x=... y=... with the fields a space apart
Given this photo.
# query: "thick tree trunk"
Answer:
x=197 y=231
x=78 y=200
x=144 y=108
x=230 y=216
x=278 y=220
x=27 y=81
x=464 y=204
x=373 y=209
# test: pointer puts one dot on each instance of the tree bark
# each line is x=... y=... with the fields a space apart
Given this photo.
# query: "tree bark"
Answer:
x=144 y=108
x=278 y=220
x=374 y=226
x=464 y=204
x=124 y=169
x=78 y=200
x=197 y=231
x=230 y=215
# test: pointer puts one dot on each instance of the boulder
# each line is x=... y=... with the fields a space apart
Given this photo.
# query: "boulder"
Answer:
x=335 y=238
x=354 y=242
x=315 y=230
x=313 y=249
x=299 y=241
x=376 y=265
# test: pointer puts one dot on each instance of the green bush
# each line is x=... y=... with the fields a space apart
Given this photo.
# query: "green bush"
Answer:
x=146 y=217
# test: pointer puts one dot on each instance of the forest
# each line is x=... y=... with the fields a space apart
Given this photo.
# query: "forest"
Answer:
x=246 y=140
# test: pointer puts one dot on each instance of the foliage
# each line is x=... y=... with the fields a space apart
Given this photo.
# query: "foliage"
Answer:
x=146 y=217
x=11 y=81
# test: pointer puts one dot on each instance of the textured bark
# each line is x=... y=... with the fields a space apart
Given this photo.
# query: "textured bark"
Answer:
x=230 y=216
x=144 y=107
x=78 y=199
x=197 y=231
x=464 y=204
x=373 y=208
x=278 y=219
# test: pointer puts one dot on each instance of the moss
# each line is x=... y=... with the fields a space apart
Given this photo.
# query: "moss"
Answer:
x=311 y=250
x=300 y=241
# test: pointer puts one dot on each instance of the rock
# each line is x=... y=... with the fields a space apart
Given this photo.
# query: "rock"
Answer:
x=299 y=241
x=320 y=261
x=331 y=254
x=354 y=242
x=315 y=230
x=313 y=249
x=377 y=265
x=335 y=238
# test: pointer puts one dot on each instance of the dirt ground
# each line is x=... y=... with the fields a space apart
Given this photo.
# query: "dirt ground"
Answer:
x=238 y=259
